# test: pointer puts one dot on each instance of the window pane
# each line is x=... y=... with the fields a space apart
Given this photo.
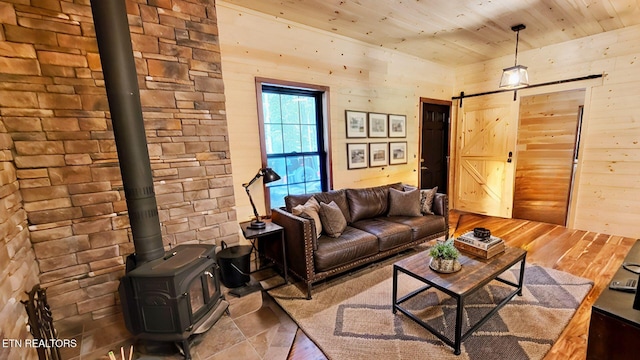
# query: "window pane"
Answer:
x=271 y=108
x=295 y=169
x=309 y=138
x=290 y=113
x=307 y=110
x=277 y=194
x=280 y=167
x=297 y=189
x=273 y=139
x=314 y=187
x=311 y=168
x=292 y=138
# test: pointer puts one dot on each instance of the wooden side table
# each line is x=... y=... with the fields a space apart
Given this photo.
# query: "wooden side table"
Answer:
x=272 y=232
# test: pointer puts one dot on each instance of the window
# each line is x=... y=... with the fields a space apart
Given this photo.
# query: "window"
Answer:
x=293 y=141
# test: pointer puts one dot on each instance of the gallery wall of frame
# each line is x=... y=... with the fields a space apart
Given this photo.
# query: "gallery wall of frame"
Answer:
x=377 y=126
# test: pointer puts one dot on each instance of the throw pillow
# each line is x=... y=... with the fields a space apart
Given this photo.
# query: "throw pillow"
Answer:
x=426 y=200
x=312 y=209
x=404 y=203
x=337 y=196
x=333 y=221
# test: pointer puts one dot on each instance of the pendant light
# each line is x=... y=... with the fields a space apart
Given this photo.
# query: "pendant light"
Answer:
x=516 y=76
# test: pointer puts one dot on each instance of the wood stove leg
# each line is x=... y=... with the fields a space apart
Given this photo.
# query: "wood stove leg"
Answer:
x=186 y=349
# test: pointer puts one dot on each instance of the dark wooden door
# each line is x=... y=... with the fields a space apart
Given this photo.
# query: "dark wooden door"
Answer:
x=434 y=153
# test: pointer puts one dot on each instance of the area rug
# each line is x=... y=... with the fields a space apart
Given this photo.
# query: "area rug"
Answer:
x=351 y=317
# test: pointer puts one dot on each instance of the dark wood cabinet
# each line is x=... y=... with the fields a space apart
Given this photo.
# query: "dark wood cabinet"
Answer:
x=614 y=330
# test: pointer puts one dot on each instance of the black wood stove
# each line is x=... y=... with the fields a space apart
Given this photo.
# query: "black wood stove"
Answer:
x=174 y=297
x=165 y=296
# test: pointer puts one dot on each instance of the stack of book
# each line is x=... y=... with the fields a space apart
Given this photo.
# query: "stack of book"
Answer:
x=482 y=247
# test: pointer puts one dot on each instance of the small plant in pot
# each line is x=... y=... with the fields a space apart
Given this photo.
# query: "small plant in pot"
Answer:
x=444 y=257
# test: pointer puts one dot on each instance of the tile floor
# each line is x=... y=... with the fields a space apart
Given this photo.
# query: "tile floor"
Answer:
x=256 y=329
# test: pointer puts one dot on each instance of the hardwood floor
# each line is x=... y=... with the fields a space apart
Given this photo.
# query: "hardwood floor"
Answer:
x=591 y=255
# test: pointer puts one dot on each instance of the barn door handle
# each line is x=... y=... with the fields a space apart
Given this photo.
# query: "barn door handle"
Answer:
x=510 y=156
x=424 y=168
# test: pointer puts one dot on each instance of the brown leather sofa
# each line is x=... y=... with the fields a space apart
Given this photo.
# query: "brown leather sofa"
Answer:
x=370 y=234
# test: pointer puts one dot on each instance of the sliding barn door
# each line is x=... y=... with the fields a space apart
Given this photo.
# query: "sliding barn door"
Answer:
x=547 y=135
x=484 y=147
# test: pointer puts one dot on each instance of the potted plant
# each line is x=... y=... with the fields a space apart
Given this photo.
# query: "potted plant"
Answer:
x=444 y=257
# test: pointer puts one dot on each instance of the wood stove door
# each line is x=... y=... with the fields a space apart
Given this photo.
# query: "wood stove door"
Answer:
x=196 y=295
x=204 y=292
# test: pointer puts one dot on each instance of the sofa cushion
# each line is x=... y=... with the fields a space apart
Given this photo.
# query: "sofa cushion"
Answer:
x=389 y=234
x=352 y=245
x=333 y=222
x=404 y=203
x=367 y=203
x=312 y=209
x=337 y=196
x=426 y=200
x=421 y=226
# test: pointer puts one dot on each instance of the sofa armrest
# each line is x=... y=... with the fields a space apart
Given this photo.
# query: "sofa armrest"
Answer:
x=299 y=236
x=441 y=206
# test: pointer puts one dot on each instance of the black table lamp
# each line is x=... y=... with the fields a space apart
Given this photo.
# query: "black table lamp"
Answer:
x=269 y=176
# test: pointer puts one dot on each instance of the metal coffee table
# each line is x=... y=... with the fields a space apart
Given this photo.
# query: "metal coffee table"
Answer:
x=475 y=274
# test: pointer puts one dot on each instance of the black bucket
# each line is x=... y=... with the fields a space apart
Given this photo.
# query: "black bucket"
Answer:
x=235 y=265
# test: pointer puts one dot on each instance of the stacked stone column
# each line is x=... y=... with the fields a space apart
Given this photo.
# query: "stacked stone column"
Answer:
x=66 y=225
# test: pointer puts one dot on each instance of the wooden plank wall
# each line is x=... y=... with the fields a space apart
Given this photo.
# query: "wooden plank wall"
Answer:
x=607 y=180
x=360 y=77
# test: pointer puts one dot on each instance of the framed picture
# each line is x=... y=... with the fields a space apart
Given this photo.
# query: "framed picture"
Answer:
x=356 y=156
x=378 y=154
x=397 y=153
x=356 y=124
x=377 y=125
x=397 y=126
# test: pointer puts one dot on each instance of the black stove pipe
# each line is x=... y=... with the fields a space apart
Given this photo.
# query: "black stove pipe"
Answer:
x=121 y=82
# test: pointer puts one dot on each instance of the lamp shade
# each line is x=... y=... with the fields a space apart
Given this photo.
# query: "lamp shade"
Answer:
x=269 y=175
x=514 y=77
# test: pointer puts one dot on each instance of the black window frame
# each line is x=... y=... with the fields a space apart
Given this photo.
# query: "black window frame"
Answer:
x=320 y=95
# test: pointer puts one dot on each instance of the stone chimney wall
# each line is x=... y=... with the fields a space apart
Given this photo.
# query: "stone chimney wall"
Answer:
x=18 y=267
x=54 y=108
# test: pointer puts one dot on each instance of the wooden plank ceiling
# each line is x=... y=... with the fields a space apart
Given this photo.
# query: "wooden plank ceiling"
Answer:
x=455 y=32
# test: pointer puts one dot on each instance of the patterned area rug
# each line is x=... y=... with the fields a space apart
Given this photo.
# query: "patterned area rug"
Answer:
x=351 y=318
